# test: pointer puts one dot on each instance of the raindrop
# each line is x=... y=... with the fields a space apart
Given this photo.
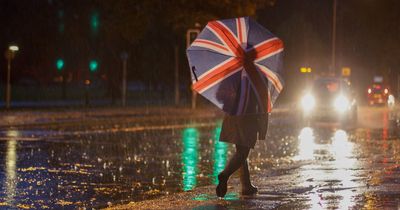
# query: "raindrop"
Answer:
x=120 y=169
x=99 y=160
x=154 y=180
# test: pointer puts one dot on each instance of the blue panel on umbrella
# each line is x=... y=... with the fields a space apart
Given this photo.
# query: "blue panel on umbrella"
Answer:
x=204 y=60
x=208 y=35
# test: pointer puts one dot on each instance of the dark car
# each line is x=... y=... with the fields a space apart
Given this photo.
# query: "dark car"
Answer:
x=329 y=99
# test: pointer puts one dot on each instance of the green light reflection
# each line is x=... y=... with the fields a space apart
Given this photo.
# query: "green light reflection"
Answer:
x=220 y=154
x=232 y=196
x=190 y=139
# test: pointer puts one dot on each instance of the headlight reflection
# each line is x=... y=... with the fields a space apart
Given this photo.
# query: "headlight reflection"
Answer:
x=341 y=146
x=344 y=164
x=306 y=144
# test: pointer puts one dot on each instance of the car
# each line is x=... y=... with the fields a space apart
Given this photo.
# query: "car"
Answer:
x=329 y=99
x=378 y=95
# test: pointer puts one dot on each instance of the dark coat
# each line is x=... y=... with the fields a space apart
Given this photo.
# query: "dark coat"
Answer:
x=244 y=130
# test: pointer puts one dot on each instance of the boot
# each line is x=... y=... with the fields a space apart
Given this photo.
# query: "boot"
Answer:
x=244 y=174
x=222 y=186
x=234 y=164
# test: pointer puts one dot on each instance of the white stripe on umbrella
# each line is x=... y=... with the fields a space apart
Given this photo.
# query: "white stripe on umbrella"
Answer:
x=212 y=46
x=241 y=32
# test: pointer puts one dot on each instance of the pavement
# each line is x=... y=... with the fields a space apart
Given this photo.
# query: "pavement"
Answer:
x=158 y=157
x=343 y=169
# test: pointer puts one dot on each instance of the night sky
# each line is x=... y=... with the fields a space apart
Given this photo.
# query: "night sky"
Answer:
x=367 y=38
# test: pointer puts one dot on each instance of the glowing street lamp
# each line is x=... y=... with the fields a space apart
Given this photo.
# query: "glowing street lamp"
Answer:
x=13 y=48
x=10 y=54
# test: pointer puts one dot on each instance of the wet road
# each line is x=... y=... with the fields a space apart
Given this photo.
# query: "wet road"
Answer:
x=117 y=158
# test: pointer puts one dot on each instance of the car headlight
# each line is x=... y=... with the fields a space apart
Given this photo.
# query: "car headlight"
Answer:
x=308 y=102
x=341 y=103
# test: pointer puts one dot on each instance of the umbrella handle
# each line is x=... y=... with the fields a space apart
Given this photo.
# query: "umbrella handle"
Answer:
x=194 y=73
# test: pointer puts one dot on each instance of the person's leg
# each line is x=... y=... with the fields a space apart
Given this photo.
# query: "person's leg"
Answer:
x=236 y=161
x=247 y=187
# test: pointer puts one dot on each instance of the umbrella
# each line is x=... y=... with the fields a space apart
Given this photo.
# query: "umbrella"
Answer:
x=235 y=64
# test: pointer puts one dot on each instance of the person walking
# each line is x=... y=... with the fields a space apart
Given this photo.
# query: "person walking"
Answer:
x=243 y=131
x=235 y=64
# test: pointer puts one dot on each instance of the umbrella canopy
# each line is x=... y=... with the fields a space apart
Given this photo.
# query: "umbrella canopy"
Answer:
x=235 y=64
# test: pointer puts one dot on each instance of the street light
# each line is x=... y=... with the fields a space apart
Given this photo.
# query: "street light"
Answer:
x=10 y=54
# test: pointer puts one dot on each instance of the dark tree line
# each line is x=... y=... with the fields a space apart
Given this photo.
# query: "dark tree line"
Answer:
x=148 y=30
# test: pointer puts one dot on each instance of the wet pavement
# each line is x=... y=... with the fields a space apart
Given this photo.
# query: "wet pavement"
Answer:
x=169 y=158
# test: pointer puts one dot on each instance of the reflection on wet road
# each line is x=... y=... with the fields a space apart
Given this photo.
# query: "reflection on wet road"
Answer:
x=298 y=167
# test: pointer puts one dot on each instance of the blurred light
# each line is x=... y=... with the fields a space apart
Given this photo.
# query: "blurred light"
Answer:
x=391 y=100
x=308 y=102
x=60 y=64
x=306 y=144
x=341 y=147
x=95 y=22
x=369 y=91
x=93 y=65
x=341 y=103
x=386 y=91
x=12 y=133
x=190 y=138
x=305 y=70
x=13 y=48
x=87 y=82
x=220 y=154
x=11 y=167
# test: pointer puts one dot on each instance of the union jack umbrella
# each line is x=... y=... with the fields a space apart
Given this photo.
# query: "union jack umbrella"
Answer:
x=235 y=64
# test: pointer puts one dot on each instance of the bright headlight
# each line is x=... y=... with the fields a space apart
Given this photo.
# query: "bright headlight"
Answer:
x=341 y=103
x=308 y=102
